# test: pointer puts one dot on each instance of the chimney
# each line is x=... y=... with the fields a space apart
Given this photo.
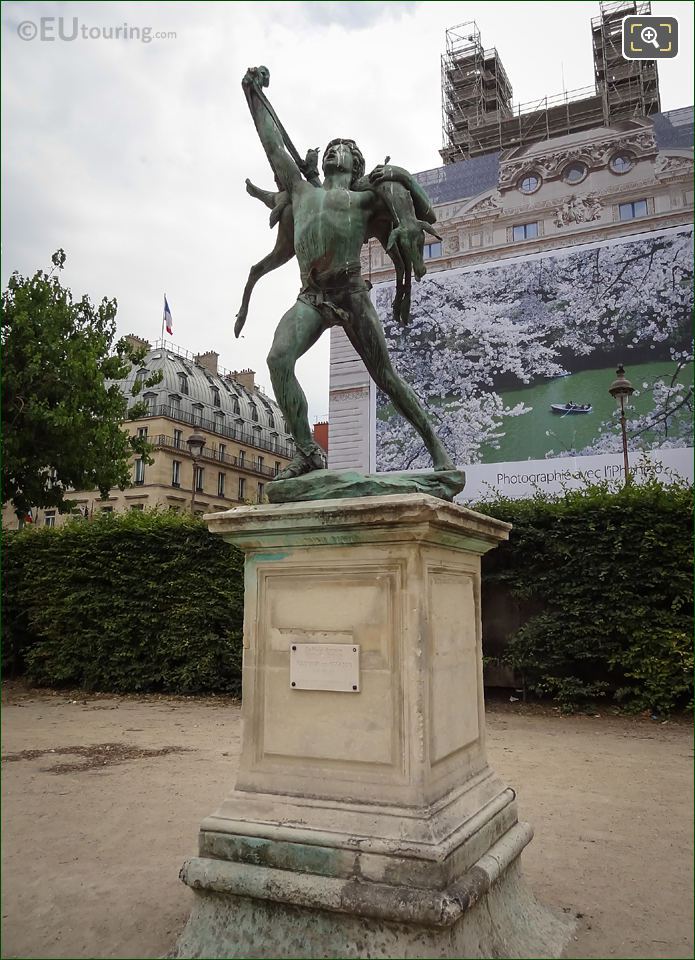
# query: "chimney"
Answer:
x=320 y=433
x=137 y=343
x=246 y=378
x=208 y=361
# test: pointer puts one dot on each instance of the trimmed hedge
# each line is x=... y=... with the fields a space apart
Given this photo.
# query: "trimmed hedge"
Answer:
x=611 y=573
x=140 y=601
x=150 y=601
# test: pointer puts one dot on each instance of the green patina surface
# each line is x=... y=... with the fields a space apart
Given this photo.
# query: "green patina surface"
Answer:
x=324 y=223
x=272 y=853
x=341 y=484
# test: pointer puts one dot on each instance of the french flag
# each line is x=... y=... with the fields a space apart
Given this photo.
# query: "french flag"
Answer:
x=168 y=322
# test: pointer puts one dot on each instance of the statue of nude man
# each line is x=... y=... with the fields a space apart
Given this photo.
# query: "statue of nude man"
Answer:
x=332 y=220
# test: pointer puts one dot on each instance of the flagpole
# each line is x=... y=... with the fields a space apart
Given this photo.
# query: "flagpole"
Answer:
x=163 y=319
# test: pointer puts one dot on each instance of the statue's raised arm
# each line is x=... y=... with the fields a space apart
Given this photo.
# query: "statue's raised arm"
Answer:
x=282 y=156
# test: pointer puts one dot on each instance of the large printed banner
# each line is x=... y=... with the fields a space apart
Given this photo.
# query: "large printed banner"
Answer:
x=514 y=359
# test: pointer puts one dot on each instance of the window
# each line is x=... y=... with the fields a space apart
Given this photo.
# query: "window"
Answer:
x=530 y=183
x=137 y=506
x=524 y=231
x=142 y=432
x=183 y=383
x=222 y=451
x=271 y=420
x=139 y=476
x=261 y=489
x=107 y=509
x=149 y=399
x=140 y=378
x=432 y=250
x=49 y=518
x=199 y=477
x=628 y=211
x=621 y=163
x=175 y=402
x=220 y=484
x=219 y=420
x=575 y=172
x=242 y=488
x=215 y=396
x=235 y=405
x=242 y=458
x=178 y=437
x=254 y=412
x=197 y=413
x=259 y=463
x=277 y=467
x=176 y=473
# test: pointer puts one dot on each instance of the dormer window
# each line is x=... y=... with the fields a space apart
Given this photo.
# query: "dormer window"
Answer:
x=235 y=405
x=529 y=183
x=254 y=412
x=140 y=378
x=271 y=420
x=621 y=163
x=215 y=396
x=183 y=383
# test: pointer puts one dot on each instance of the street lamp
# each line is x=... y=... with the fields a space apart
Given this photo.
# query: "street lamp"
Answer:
x=195 y=443
x=622 y=390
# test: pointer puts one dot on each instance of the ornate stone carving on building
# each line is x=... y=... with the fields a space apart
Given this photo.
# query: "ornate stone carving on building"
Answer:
x=666 y=166
x=549 y=165
x=485 y=207
x=578 y=210
x=451 y=243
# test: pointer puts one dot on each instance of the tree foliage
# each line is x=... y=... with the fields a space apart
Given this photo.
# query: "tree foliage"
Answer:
x=141 y=601
x=60 y=416
x=611 y=575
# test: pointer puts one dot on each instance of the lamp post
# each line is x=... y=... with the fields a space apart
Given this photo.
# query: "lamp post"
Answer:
x=621 y=389
x=195 y=443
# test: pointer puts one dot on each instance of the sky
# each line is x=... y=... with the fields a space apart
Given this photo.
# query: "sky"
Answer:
x=132 y=155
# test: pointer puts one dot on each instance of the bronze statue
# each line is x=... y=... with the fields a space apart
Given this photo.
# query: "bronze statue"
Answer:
x=324 y=224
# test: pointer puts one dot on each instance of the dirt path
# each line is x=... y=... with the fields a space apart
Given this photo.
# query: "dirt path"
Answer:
x=92 y=849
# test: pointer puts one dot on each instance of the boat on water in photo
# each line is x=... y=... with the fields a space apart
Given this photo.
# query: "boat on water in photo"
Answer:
x=565 y=408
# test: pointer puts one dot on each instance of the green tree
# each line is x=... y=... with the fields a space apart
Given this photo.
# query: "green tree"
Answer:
x=61 y=420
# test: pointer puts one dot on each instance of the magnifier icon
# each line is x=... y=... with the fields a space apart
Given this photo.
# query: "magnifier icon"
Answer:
x=649 y=35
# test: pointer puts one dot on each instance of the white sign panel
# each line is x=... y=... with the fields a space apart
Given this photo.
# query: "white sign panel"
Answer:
x=325 y=666
x=523 y=478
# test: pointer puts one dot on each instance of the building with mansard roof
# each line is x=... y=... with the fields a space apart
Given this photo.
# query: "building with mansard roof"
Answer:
x=246 y=438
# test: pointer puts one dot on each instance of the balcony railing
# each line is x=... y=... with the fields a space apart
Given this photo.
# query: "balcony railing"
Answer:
x=251 y=465
x=252 y=438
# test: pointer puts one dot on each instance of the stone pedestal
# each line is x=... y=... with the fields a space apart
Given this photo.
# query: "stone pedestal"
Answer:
x=365 y=821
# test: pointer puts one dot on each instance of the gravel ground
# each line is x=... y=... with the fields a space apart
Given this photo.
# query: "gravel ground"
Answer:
x=102 y=797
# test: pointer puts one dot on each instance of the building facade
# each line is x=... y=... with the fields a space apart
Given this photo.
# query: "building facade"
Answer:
x=506 y=215
x=246 y=439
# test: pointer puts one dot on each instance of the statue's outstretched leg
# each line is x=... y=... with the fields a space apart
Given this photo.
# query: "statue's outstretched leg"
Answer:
x=367 y=337
x=298 y=330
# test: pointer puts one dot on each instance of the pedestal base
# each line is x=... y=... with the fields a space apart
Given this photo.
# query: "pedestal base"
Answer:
x=365 y=820
x=487 y=917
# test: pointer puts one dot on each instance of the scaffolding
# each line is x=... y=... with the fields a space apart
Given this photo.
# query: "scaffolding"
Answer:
x=630 y=88
x=477 y=112
x=475 y=87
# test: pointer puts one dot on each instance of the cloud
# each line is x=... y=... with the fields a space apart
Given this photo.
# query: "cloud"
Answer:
x=356 y=16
